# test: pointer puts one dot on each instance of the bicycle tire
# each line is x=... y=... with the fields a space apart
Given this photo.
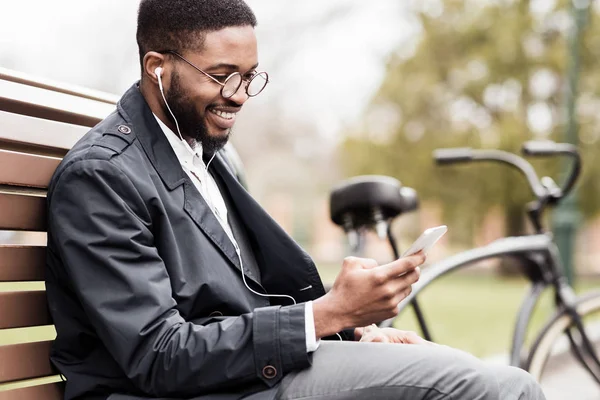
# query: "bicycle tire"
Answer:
x=541 y=349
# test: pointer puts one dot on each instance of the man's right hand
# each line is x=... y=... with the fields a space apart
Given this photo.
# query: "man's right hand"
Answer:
x=365 y=293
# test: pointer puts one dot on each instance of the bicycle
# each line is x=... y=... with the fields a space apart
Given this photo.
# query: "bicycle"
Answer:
x=372 y=202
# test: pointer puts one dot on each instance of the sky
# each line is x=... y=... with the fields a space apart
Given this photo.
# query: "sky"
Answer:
x=325 y=58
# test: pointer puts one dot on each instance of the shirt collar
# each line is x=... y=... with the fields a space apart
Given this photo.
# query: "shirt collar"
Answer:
x=182 y=148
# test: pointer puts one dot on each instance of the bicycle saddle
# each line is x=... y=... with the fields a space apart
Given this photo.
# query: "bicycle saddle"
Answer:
x=366 y=200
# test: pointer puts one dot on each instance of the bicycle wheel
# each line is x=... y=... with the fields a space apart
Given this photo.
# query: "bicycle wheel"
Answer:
x=554 y=340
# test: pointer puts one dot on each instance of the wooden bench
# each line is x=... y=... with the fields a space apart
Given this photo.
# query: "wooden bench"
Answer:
x=39 y=122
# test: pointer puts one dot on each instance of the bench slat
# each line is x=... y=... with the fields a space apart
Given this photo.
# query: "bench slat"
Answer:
x=22 y=263
x=25 y=361
x=22 y=169
x=22 y=211
x=44 y=83
x=24 y=130
x=23 y=308
x=55 y=106
x=51 y=391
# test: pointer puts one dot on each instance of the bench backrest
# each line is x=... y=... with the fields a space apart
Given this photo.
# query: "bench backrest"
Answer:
x=39 y=122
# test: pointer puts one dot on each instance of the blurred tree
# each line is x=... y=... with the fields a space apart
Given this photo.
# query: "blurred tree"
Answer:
x=482 y=74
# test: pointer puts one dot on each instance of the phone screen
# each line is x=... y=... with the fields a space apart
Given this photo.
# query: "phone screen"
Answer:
x=426 y=241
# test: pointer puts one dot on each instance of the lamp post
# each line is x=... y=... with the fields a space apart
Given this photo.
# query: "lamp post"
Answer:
x=566 y=216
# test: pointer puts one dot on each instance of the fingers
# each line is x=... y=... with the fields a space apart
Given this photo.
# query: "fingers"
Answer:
x=402 y=265
x=409 y=278
x=413 y=338
x=357 y=262
x=373 y=333
x=392 y=335
x=404 y=283
x=401 y=295
x=375 y=338
x=398 y=288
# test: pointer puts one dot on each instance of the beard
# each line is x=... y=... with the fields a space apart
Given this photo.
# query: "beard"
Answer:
x=191 y=123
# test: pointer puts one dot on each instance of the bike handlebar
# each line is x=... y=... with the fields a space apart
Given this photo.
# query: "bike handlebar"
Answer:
x=549 y=148
x=539 y=148
x=532 y=148
x=453 y=156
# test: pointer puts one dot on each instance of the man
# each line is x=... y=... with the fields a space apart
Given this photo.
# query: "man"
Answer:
x=167 y=280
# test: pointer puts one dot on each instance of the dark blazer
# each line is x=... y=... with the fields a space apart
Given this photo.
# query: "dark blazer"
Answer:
x=144 y=285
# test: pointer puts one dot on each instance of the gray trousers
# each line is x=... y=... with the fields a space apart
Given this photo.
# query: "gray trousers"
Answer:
x=353 y=370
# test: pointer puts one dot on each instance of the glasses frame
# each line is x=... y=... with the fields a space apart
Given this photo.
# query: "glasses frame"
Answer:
x=248 y=81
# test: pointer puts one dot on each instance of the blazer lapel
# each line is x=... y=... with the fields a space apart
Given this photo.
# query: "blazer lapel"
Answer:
x=284 y=266
x=200 y=212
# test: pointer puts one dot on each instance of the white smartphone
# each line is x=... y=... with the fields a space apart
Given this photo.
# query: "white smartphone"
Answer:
x=426 y=241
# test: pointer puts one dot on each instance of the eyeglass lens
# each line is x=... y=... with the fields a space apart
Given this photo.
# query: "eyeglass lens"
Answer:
x=255 y=86
x=232 y=84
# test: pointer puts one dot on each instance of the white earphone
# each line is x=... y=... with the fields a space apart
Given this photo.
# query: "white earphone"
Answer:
x=158 y=72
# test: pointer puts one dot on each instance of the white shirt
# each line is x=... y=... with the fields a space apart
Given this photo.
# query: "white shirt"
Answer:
x=193 y=165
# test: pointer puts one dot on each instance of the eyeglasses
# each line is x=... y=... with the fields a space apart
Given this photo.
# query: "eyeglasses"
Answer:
x=231 y=83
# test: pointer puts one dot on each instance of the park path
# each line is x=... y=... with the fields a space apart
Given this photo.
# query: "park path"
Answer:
x=564 y=378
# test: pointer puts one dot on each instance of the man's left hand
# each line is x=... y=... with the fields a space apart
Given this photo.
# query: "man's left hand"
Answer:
x=373 y=333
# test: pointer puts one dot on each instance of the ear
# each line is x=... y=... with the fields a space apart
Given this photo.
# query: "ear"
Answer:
x=151 y=61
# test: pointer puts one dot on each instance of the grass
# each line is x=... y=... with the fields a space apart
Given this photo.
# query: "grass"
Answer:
x=475 y=312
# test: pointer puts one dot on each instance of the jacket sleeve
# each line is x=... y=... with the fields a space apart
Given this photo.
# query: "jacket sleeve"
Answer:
x=102 y=229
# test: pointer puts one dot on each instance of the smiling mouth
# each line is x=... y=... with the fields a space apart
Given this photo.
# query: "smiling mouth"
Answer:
x=223 y=114
x=220 y=119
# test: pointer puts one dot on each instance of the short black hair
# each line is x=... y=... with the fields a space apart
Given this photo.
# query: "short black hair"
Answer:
x=180 y=25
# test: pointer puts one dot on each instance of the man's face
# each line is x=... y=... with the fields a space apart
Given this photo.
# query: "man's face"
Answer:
x=202 y=113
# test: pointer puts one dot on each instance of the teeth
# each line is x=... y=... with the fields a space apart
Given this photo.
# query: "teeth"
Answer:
x=223 y=114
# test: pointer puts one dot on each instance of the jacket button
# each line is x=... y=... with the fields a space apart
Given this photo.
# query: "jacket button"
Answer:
x=269 y=372
x=215 y=314
x=124 y=129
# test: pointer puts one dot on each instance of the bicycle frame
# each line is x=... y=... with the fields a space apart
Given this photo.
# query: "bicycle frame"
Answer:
x=539 y=254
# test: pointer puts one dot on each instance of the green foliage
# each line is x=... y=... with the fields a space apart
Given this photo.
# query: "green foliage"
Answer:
x=475 y=73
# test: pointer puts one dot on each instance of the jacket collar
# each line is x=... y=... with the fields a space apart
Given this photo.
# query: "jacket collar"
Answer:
x=182 y=149
x=134 y=109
